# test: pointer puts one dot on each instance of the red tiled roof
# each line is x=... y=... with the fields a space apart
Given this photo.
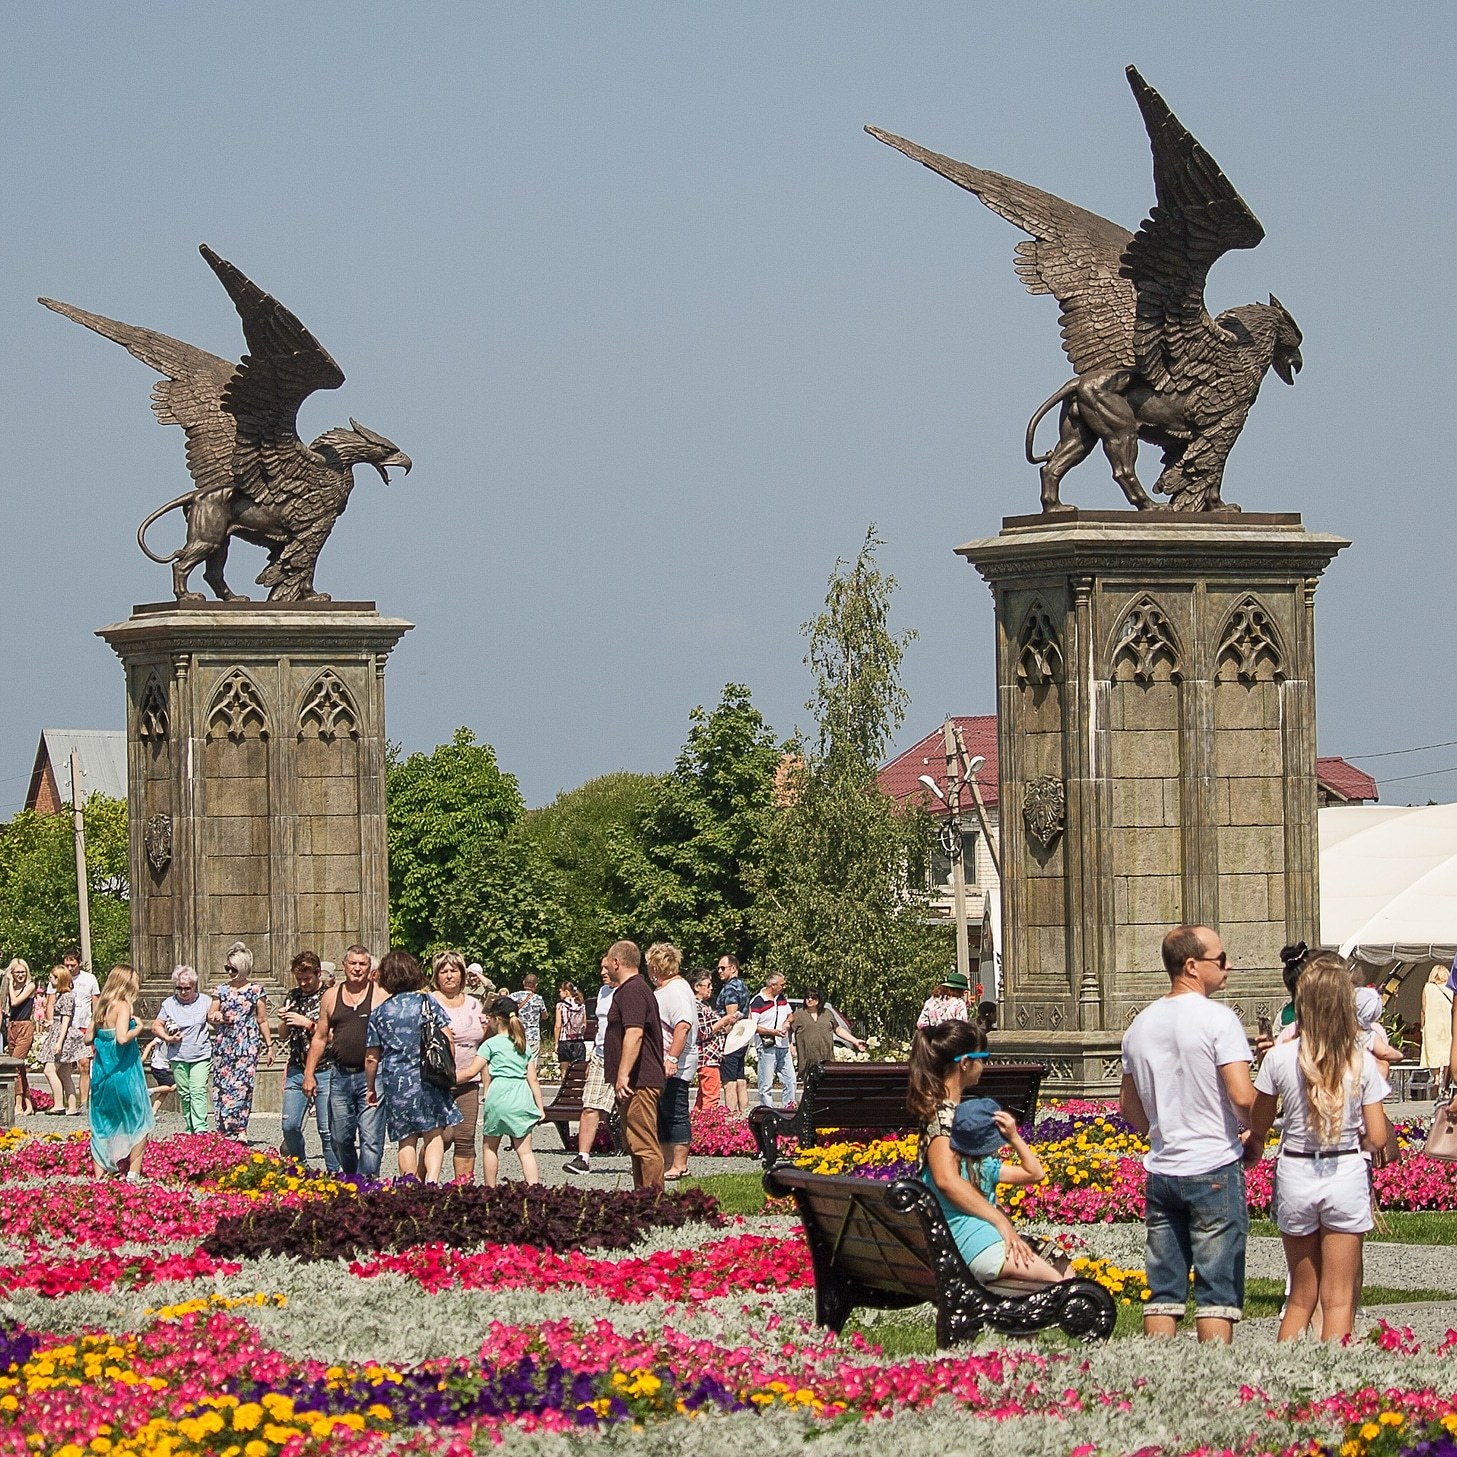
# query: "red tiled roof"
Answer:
x=1345 y=780
x=899 y=777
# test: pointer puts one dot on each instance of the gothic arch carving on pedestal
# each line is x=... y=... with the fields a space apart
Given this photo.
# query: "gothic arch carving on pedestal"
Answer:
x=1145 y=639
x=152 y=722
x=237 y=711
x=1039 y=654
x=328 y=709
x=1250 y=643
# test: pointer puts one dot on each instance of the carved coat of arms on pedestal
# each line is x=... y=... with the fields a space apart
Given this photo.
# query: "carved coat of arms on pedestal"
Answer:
x=1044 y=809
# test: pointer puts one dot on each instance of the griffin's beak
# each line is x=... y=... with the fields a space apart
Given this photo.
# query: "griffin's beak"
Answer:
x=1287 y=366
x=399 y=460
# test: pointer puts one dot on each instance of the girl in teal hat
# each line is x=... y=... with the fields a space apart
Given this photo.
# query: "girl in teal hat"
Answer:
x=960 y=1152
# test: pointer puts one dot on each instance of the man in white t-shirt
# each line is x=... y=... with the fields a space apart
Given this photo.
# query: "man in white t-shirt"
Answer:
x=1186 y=1084
x=85 y=988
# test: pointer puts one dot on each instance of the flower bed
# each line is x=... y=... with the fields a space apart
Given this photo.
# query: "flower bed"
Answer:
x=410 y=1214
x=1095 y=1175
x=122 y=1335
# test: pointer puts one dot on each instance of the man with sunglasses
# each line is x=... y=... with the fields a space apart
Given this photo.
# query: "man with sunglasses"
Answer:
x=1186 y=1084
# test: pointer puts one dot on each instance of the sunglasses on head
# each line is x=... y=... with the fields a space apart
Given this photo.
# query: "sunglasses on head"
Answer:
x=972 y=1057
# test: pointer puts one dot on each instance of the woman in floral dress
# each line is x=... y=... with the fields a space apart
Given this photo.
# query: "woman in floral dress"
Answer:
x=239 y=1020
x=416 y=1113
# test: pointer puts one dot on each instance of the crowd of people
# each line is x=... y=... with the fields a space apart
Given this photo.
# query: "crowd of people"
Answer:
x=351 y=1040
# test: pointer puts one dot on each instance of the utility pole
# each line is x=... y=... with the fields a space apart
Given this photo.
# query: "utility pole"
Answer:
x=952 y=846
x=969 y=768
x=83 y=898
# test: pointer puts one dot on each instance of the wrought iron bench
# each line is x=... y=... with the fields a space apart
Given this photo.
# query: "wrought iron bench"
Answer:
x=887 y=1246
x=871 y=1096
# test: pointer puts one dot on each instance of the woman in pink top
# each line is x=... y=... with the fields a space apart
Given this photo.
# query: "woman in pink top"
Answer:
x=468 y=1028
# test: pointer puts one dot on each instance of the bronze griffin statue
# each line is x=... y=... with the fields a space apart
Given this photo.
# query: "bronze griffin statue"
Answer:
x=1150 y=362
x=255 y=478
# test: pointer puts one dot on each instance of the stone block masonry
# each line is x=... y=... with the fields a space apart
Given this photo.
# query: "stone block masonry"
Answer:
x=1156 y=722
x=256 y=783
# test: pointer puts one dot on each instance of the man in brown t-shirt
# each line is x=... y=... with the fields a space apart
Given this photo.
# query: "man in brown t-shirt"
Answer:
x=633 y=1060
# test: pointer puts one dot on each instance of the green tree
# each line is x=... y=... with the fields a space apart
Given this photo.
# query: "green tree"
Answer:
x=837 y=905
x=573 y=832
x=39 y=916
x=443 y=806
x=687 y=869
x=508 y=910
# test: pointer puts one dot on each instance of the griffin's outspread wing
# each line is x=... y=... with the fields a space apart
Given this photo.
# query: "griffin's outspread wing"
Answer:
x=1075 y=255
x=1197 y=219
x=284 y=365
x=190 y=395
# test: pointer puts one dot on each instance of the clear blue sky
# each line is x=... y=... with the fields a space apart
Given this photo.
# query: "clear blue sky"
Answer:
x=663 y=330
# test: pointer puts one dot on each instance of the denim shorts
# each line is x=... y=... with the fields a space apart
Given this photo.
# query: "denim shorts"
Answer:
x=731 y=1066
x=1197 y=1222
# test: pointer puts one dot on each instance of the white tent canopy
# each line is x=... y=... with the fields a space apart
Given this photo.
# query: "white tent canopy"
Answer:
x=1388 y=882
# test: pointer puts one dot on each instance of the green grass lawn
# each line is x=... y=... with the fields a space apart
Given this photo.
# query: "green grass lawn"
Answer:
x=1396 y=1227
x=913 y=1332
x=736 y=1193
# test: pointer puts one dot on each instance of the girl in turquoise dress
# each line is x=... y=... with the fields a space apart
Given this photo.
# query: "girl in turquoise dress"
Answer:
x=121 y=1110
x=511 y=1097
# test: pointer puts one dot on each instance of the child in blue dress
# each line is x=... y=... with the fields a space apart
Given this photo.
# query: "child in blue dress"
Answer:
x=511 y=1105
x=960 y=1154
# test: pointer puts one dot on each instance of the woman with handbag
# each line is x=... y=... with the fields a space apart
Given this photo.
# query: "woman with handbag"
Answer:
x=1329 y=1089
x=416 y=1112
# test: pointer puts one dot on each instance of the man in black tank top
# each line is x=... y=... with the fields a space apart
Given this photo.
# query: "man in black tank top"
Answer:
x=355 y=1129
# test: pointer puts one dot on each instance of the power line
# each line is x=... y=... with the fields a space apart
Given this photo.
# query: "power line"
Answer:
x=1430 y=774
x=1391 y=753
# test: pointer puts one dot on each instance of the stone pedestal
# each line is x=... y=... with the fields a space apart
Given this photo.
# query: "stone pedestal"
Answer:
x=256 y=782
x=1156 y=733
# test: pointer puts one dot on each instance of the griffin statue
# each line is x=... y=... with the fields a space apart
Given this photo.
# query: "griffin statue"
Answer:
x=1150 y=362
x=255 y=478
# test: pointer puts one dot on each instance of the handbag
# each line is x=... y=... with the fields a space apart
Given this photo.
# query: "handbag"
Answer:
x=1442 y=1139
x=437 y=1054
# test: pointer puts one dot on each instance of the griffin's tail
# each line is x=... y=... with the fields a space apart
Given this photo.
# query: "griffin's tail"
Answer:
x=1036 y=420
x=161 y=511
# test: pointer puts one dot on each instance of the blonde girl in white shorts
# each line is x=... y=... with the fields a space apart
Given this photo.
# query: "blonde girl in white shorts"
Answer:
x=1329 y=1089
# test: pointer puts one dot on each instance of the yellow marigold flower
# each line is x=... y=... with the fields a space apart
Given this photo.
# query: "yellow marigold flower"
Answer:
x=1391 y=1419
x=247 y=1416
x=1369 y=1431
x=379 y=1412
x=255 y=1448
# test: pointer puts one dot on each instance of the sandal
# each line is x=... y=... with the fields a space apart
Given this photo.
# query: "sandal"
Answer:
x=671 y=1176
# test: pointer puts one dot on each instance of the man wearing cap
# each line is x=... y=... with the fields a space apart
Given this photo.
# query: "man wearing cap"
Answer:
x=1186 y=1084
x=770 y=1013
x=948 y=1003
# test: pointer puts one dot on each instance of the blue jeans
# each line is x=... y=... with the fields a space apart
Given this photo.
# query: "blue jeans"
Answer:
x=774 y=1058
x=1197 y=1222
x=296 y=1110
x=348 y=1117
